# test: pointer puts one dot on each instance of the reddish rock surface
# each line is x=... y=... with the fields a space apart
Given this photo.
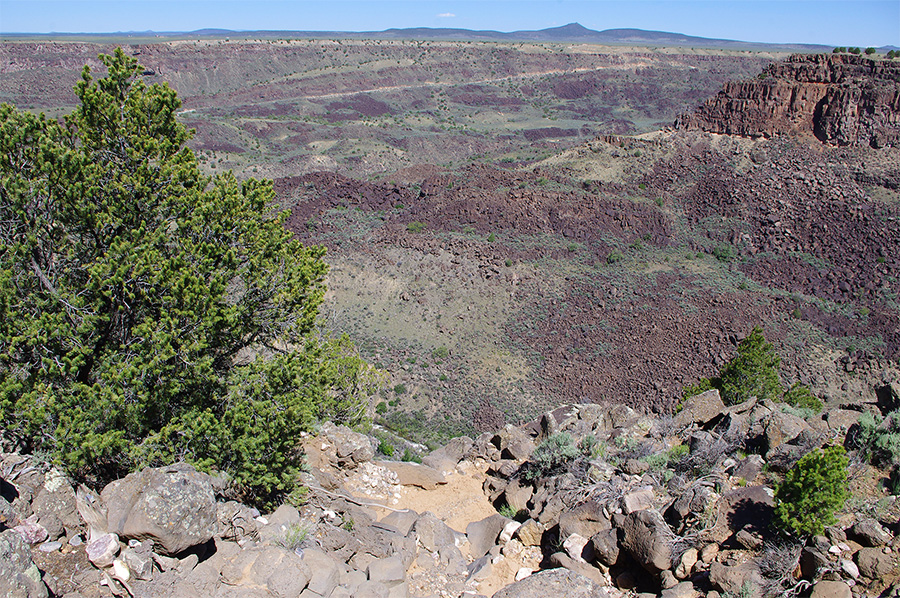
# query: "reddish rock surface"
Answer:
x=841 y=99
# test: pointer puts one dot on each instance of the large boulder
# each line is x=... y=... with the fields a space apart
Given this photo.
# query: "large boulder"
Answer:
x=448 y=456
x=351 y=448
x=553 y=583
x=648 y=539
x=174 y=506
x=19 y=577
x=483 y=534
x=432 y=533
x=700 y=409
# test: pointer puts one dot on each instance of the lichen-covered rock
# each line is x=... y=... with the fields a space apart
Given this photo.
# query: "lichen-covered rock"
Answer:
x=19 y=577
x=174 y=506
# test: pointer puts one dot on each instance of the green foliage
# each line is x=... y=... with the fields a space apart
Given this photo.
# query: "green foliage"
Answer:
x=801 y=397
x=441 y=352
x=724 y=253
x=551 y=456
x=753 y=373
x=491 y=238
x=878 y=440
x=416 y=227
x=812 y=491
x=386 y=449
x=854 y=50
x=870 y=51
x=149 y=313
x=400 y=389
x=614 y=256
x=692 y=390
x=409 y=455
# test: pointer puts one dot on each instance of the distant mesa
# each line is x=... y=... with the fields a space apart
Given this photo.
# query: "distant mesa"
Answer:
x=843 y=100
x=571 y=33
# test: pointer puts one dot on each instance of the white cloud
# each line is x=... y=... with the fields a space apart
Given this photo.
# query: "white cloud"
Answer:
x=446 y=15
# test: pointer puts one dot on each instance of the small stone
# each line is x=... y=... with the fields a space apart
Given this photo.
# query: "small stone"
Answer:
x=850 y=568
x=50 y=546
x=522 y=573
x=102 y=550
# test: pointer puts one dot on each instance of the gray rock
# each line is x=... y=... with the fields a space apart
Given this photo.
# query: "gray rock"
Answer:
x=873 y=563
x=480 y=569
x=517 y=496
x=402 y=521
x=783 y=457
x=432 y=533
x=586 y=520
x=553 y=583
x=236 y=522
x=689 y=505
x=732 y=579
x=780 y=428
x=869 y=532
x=174 y=506
x=19 y=577
x=685 y=589
x=279 y=526
x=482 y=535
x=325 y=573
x=831 y=589
x=448 y=456
x=514 y=443
x=749 y=468
x=638 y=500
x=606 y=546
x=352 y=448
x=372 y=589
x=700 y=409
x=54 y=505
x=578 y=566
x=413 y=474
x=648 y=539
x=389 y=571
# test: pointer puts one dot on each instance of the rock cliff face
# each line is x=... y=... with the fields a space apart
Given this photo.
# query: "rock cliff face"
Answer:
x=841 y=99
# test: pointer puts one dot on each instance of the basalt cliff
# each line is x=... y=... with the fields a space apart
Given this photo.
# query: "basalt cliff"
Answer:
x=841 y=99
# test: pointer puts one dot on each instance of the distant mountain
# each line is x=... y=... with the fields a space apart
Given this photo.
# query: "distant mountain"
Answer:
x=571 y=33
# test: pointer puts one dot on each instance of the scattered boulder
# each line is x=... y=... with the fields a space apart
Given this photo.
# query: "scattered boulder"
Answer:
x=174 y=506
x=830 y=589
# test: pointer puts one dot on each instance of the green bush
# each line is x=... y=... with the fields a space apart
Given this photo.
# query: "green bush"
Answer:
x=878 y=440
x=753 y=373
x=801 y=396
x=416 y=227
x=551 y=456
x=149 y=313
x=614 y=256
x=816 y=487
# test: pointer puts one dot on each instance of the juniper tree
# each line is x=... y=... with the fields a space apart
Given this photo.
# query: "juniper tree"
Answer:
x=149 y=313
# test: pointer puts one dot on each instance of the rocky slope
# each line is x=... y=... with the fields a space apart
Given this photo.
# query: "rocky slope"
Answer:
x=842 y=99
x=593 y=500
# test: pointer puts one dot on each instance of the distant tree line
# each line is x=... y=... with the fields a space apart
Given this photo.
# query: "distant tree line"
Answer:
x=891 y=54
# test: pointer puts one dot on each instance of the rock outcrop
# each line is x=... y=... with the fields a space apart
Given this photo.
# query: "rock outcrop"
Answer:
x=841 y=99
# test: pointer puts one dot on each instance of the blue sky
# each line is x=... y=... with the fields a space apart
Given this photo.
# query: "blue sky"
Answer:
x=829 y=22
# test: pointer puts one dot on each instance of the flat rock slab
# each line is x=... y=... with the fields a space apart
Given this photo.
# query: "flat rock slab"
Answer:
x=413 y=474
x=553 y=583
